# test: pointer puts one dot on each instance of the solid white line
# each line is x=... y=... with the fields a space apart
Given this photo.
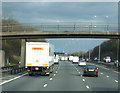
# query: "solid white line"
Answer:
x=116 y=81
x=45 y=85
x=116 y=72
x=87 y=87
x=50 y=78
x=84 y=80
x=106 y=68
x=13 y=79
x=107 y=76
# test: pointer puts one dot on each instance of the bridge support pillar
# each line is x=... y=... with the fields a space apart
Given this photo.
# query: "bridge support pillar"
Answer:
x=2 y=56
x=23 y=46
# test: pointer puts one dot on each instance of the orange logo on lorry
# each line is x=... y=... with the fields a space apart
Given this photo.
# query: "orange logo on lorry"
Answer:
x=37 y=48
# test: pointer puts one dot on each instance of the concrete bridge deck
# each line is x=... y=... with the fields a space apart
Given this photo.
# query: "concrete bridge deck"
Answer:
x=59 y=34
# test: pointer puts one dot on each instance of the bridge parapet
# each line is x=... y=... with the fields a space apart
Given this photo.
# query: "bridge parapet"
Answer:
x=60 y=30
x=60 y=27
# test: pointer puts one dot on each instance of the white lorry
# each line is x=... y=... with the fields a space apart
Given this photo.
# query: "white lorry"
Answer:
x=66 y=58
x=75 y=59
x=70 y=58
x=63 y=58
x=39 y=58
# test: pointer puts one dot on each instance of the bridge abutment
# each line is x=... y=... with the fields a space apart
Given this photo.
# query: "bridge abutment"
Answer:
x=23 y=50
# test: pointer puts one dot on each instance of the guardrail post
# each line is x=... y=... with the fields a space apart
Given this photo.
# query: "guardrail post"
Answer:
x=108 y=29
x=24 y=29
x=7 y=28
x=58 y=27
x=74 y=27
x=43 y=27
x=90 y=27
x=11 y=27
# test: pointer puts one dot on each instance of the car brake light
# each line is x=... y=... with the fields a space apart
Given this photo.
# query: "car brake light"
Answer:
x=28 y=70
x=45 y=70
x=96 y=69
x=86 y=69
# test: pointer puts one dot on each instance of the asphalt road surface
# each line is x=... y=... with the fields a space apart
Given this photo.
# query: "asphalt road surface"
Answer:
x=66 y=77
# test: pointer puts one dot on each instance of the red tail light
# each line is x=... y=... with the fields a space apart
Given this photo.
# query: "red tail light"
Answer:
x=51 y=68
x=45 y=70
x=28 y=70
x=86 y=69
x=96 y=69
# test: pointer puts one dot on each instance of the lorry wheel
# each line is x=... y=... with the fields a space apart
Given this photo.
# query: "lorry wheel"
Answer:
x=96 y=75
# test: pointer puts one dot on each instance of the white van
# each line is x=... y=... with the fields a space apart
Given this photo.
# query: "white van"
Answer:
x=108 y=59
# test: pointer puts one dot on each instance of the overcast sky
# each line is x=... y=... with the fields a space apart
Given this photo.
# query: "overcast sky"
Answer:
x=42 y=12
x=37 y=12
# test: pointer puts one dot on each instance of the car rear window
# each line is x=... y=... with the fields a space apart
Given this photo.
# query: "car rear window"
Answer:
x=82 y=61
x=90 y=67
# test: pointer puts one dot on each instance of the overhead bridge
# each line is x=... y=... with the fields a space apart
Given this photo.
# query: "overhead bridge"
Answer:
x=59 y=31
x=31 y=31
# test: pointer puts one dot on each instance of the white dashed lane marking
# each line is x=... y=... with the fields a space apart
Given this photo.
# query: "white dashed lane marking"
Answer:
x=87 y=87
x=45 y=85
x=107 y=76
x=84 y=80
x=101 y=73
x=50 y=78
x=116 y=81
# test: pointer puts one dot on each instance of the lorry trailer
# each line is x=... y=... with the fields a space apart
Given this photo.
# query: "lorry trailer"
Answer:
x=39 y=58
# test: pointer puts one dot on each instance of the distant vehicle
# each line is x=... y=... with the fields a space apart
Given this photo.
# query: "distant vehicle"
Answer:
x=87 y=59
x=62 y=58
x=70 y=58
x=107 y=59
x=117 y=63
x=75 y=59
x=82 y=63
x=95 y=59
x=39 y=58
x=66 y=58
x=56 y=59
x=90 y=70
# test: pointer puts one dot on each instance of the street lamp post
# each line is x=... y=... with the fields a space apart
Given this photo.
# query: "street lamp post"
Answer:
x=89 y=54
x=99 y=53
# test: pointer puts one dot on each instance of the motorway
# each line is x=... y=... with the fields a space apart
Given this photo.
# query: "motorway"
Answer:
x=66 y=77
